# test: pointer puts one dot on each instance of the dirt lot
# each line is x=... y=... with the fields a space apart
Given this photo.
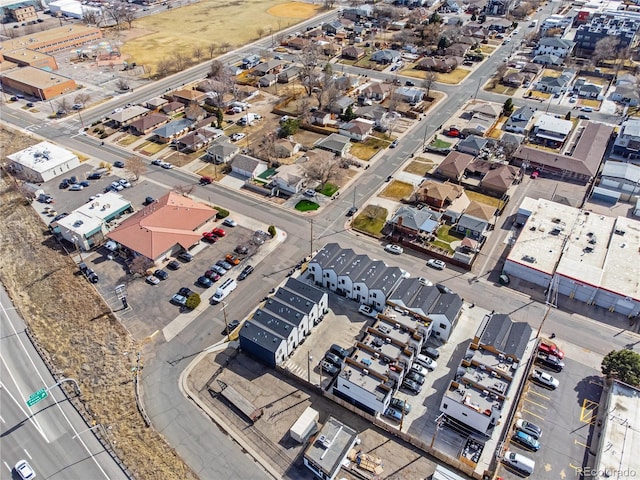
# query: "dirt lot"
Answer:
x=70 y=321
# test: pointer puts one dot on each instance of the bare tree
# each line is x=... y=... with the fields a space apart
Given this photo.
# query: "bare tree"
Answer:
x=606 y=49
x=82 y=98
x=164 y=67
x=508 y=148
x=269 y=146
x=427 y=83
x=501 y=71
x=193 y=111
x=128 y=16
x=184 y=190
x=216 y=69
x=63 y=105
x=135 y=166
x=140 y=265
x=225 y=46
x=327 y=92
x=180 y=61
x=115 y=12
x=309 y=75
x=321 y=171
x=198 y=53
x=394 y=101
x=260 y=31
x=122 y=84
x=92 y=17
x=212 y=48
x=371 y=212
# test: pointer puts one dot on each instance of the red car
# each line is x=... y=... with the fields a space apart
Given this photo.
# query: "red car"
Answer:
x=550 y=348
x=212 y=275
x=210 y=236
x=218 y=232
x=452 y=132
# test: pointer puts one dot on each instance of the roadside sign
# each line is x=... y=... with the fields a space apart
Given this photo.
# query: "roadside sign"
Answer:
x=37 y=397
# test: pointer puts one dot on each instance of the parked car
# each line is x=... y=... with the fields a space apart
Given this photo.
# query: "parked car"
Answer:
x=526 y=440
x=173 y=265
x=443 y=288
x=329 y=367
x=64 y=184
x=116 y=186
x=94 y=176
x=550 y=362
x=212 y=275
x=241 y=249
x=412 y=386
x=393 y=144
x=161 y=274
x=333 y=359
x=393 y=413
x=452 y=132
x=431 y=352
x=415 y=377
x=545 y=379
x=179 y=300
x=339 y=351
x=237 y=137
x=586 y=109
x=204 y=281
x=152 y=280
x=125 y=183
x=437 y=264
x=419 y=369
x=24 y=470
x=232 y=259
x=529 y=428
x=524 y=466
x=185 y=292
x=246 y=271
x=73 y=180
x=148 y=201
x=546 y=346
x=393 y=248
x=118 y=164
x=368 y=311
x=400 y=404
x=218 y=232
x=224 y=264
x=156 y=162
x=218 y=269
x=409 y=83
x=210 y=237
x=309 y=192
x=166 y=165
x=229 y=222
x=352 y=211
x=232 y=326
x=426 y=362
x=185 y=257
x=583 y=117
x=76 y=188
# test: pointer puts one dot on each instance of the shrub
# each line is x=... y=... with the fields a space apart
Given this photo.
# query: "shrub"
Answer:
x=272 y=231
x=193 y=301
x=222 y=213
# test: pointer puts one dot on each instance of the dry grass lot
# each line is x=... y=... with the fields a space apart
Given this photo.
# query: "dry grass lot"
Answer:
x=75 y=328
x=180 y=30
x=397 y=190
x=420 y=166
x=480 y=198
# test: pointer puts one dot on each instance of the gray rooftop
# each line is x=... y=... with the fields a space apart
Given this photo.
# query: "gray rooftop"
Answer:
x=173 y=127
x=275 y=323
x=286 y=312
x=261 y=335
x=505 y=335
x=447 y=304
x=328 y=455
x=415 y=296
x=304 y=290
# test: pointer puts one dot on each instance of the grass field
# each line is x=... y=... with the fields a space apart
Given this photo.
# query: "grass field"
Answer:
x=438 y=143
x=480 y=198
x=371 y=220
x=367 y=149
x=329 y=189
x=454 y=77
x=306 y=206
x=180 y=30
x=419 y=167
x=397 y=190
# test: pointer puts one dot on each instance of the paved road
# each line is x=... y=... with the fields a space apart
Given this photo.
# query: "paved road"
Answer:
x=51 y=435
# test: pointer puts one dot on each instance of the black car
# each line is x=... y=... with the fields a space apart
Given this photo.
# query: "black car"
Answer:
x=64 y=183
x=60 y=216
x=204 y=282
x=173 y=265
x=94 y=176
x=118 y=164
x=185 y=257
x=412 y=386
x=161 y=274
x=148 y=201
x=352 y=211
x=232 y=326
x=185 y=292
x=84 y=183
x=443 y=288
x=73 y=180
x=339 y=351
x=415 y=377
x=333 y=358
x=246 y=271
x=409 y=83
x=550 y=362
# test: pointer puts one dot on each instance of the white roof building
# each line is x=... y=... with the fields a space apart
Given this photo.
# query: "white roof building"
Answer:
x=552 y=128
x=43 y=162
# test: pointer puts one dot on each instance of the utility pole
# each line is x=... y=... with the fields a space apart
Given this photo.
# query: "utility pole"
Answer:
x=226 y=325
x=311 y=238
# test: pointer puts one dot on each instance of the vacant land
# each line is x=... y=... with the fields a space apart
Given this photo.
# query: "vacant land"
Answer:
x=397 y=190
x=82 y=338
x=210 y=23
x=371 y=220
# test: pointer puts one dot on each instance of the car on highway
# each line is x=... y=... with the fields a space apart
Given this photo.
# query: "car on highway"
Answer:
x=525 y=440
x=416 y=377
x=583 y=117
x=368 y=311
x=204 y=180
x=179 y=300
x=393 y=248
x=161 y=274
x=352 y=211
x=173 y=265
x=544 y=379
x=586 y=109
x=246 y=271
x=118 y=164
x=529 y=428
x=393 y=413
x=204 y=281
x=400 y=404
x=437 y=264
x=24 y=470
x=328 y=367
x=229 y=222
x=152 y=280
x=412 y=386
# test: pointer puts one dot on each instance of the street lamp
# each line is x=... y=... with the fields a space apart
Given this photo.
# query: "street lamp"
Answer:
x=309 y=358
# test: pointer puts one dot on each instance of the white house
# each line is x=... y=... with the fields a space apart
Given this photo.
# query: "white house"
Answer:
x=548 y=128
x=42 y=162
x=311 y=301
x=222 y=150
x=279 y=326
x=247 y=166
x=289 y=179
x=357 y=129
x=554 y=46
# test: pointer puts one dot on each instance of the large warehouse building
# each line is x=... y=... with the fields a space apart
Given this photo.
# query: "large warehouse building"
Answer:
x=585 y=256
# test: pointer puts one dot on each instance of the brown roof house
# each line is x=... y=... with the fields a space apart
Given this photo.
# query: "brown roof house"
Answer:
x=454 y=165
x=222 y=150
x=188 y=96
x=499 y=179
x=353 y=53
x=194 y=141
x=163 y=228
x=437 y=194
x=377 y=91
x=357 y=129
x=172 y=108
x=146 y=124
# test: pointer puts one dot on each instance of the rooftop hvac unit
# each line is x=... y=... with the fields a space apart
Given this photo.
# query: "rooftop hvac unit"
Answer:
x=482 y=367
x=387 y=340
x=462 y=390
x=324 y=441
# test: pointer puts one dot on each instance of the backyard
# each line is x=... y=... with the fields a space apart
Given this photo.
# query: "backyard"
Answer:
x=419 y=166
x=367 y=149
x=397 y=190
x=371 y=220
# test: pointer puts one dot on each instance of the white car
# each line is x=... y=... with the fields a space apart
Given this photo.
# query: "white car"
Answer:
x=124 y=182
x=437 y=264
x=545 y=379
x=153 y=280
x=166 y=165
x=230 y=222
x=368 y=311
x=237 y=136
x=76 y=188
x=393 y=248
x=309 y=192
x=117 y=186
x=24 y=470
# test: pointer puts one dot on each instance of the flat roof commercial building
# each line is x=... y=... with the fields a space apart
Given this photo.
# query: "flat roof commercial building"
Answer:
x=41 y=84
x=54 y=40
x=326 y=454
x=42 y=162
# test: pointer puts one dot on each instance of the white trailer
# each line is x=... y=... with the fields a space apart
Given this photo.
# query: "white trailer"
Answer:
x=305 y=426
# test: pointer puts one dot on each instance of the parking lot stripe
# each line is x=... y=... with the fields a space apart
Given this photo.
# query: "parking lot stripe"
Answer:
x=576 y=442
x=539 y=394
x=589 y=411
x=531 y=413
x=534 y=403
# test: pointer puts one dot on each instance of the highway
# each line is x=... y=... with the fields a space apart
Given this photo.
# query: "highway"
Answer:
x=207 y=450
x=50 y=435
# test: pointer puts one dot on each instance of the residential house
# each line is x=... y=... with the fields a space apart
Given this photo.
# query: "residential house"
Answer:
x=450 y=6
x=341 y=105
x=354 y=275
x=333 y=27
x=386 y=56
x=623 y=178
x=346 y=82
x=412 y=221
x=480 y=210
x=288 y=180
x=267 y=80
x=268 y=67
x=409 y=94
x=627 y=143
x=554 y=46
x=353 y=53
x=358 y=129
x=286 y=148
x=248 y=167
x=500 y=25
x=586 y=90
x=358 y=13
x=552 y=131
x=298 y=43
x=519 y=119
x=499 y=178
x=172 y=130
x=173 y=108
x=289 y=74
x=553 y=84
x=156 y=102
x=548 y=59
x=200 y=138
x=474 y=30
x=377 y=91
x=531 y=67
x=454 y=165
x=437 y=194
x=335 y=143
x=195 y=112
x=222 y=150
x=454 y=55
x=483 y=117
x=311 y=301
x=320 y=117
x=127 y=115
x=472 y=145
x=377 y=114
x=472 y=227
x=443 y=65
x=620 y=25
x=169 y=225
x=146 y=124
x=515 y=79
x=318 y=155
x=188 y=96
x=498 y=7
x=262 y=343
x=627 y=94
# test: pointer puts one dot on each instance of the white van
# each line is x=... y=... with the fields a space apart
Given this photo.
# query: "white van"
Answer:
x=223 y=290
x=520 y=463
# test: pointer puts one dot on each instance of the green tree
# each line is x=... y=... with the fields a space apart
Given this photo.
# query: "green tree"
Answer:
x=219 y=117
x=623 y=365
x=443 y=43
x=435 y=18
x=193 y=301
x=349 y=114
x=290 y=127
x=272 y=231
x=507 y=108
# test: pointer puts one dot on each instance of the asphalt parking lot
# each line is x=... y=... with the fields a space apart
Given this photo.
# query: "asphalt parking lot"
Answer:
x=566 y=416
